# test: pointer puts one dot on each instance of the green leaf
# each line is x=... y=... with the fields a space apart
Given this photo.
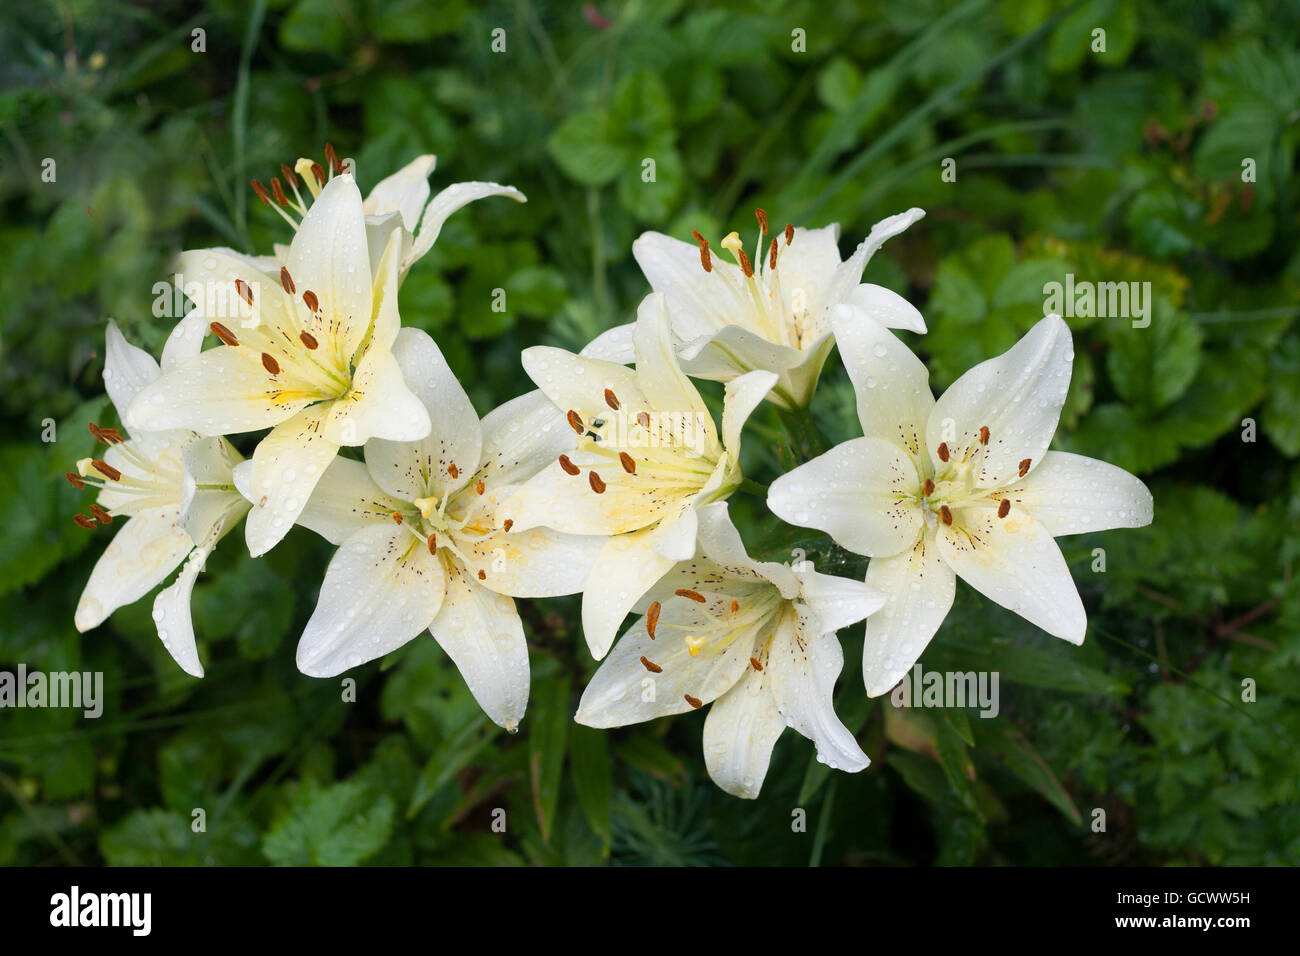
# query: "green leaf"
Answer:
x=548 y=724
x=1025 y=762
x=593 y=777
x=1280 y=416
x=343 y=824
x=1152 y=366
x=583 y=152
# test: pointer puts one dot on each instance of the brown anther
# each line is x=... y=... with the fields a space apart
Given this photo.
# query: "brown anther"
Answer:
x=509 y=523
x=244 y=290
x=482 y=575
x=928 y=489
x=695 y=596
x=312 y=303
x=74 y=479
x=262 y=194
x=83 y=521
x=761 y=215
x=318 y=171
x=705 y=259
x=277 y=190
x=575 y=421
x=628 y=463
x=569 y=467
x=611 y=399
x=308 y=340
x=397 y=517
x=771 y=256
x=652 y=619
x=650 y=665
x=270 y=364
x=789 y=233
x=331 y=158
x=693 y=701
x=597 y=485
x=432 y=542
x=478 y=489
x=1004 y=509
x=946 y=514
x=97 y=433
x=112 y=436
x=943 y=451
x=745 y=265
x=1024 y=467
x=735 y=605
x=453 y=470
x=102 y=516
x=755 y=663
x=286 y=281
x=984 y=434
x=107 y=470
x=289 y=176
x=223 y=333
x=643 y=419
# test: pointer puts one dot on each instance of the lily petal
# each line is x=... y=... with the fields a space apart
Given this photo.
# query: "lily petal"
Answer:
x=887 y=307
x=741 y=397
x=920 y=589
x=849 y=273
x=127 y=369
x=1071 y=494
x=857 y=493
x=448 y=201
x=626 y=567
x=481 y=632
x=286 y=466
x=837 y=602
x=405 y=192
x=381 y=589
x=535 y=563
x=141 y=555
x=345 y=500
x=379 y=405
x=1015 y=562
x=612 y=345
x=740 y=732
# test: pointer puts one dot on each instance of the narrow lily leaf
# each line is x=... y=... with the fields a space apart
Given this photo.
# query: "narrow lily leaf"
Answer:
x=593 y=778
x=449 y=759
x=548 y=725
x=1026 y=763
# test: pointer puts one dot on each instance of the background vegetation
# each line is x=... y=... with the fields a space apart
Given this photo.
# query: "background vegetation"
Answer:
x=1122 y=165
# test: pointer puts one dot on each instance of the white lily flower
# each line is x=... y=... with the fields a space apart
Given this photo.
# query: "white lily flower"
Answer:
x=769 y=313
x=424 y=544
x=177 y=491
x=311 y=358
x=755 y=638
x=651 y=456
x=964 y=486
x=396 y=202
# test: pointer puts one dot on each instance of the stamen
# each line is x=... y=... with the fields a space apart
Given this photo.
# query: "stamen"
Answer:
x=319 y=173
x=735 y=605
x=611 y=399
x=509 y=523
x=695 y=596
x=984 y=434
x=289 y=176
x=107 y=470
x=761 y=215
x=745 y=265
x=650 y=665
x=244 y=290
x=705 y=260
x=629 y=465
x=74 y=480
x=270 y=364
x=1004 y=509
x=1024 y=467
x=112 y=436
x=261 y=192
x=643 y=419
x=755 y=663
x=83 y=521
x=943 y=451
x=575 y=421
x=453 y=470
x=771 y=255
x=652 y=619
x=928 y=490
x=286 y=281
x=432 y=542
x=102 y=516
x=482 y=575
x=98 y=433
x=594 y=480
x=308 y=340
x=946 y=514
x=693 y=701
x=313 y=303
x=789 y=233
x=223 y=333
x=478 y=489
x=277 y=190
x=331 y=158
x=569 y=467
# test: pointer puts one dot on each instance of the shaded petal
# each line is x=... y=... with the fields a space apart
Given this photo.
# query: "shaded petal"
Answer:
x=1017 y=395
x=849 y=273
x=481 y=632
x=741 y=397
x=612 y=345
x=887 y=307
x=891 y=383
x=807 y=266
x=405 y=192
x=535 y=563
x=1071 y=494
x=381 y=589
x=573 y=382
x=345 y=500
x=522 y=437
x=837 y=602
x=859 y=493
x=417 y=469
x=127 y=369
x=1015 y=562
x=171 y=608
x=700 y=302
x=739 y=734
x=659 y=376
x=141 y=555
x=626 y=567
x=379 y=405
x=721 y=543
x=286 y=465
x=447 y=202
x=920 y=589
